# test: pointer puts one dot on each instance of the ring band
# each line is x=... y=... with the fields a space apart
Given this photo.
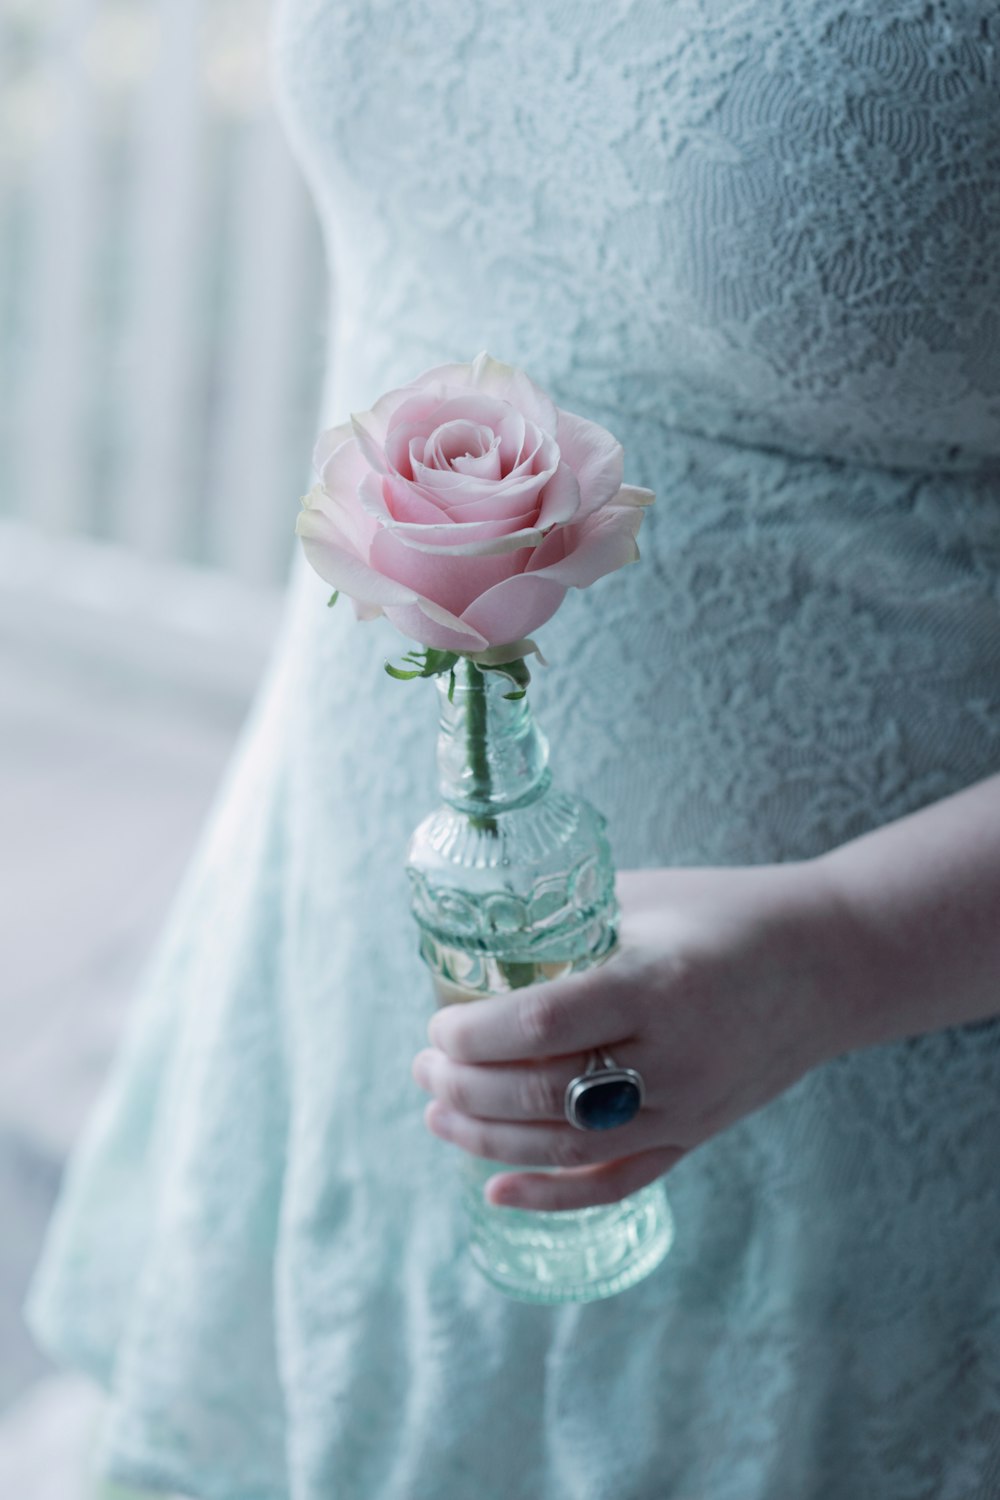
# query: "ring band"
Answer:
x=605 y=1095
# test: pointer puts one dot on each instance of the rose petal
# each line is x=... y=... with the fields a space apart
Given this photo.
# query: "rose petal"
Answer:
x=425 y=623
x=445 y=618
x=401 y=444
x=514 y=386
x=552 y=549
x=514 y=607
x=325 y=550
x=505 y=381
x=560 y=499
x=511 y=432
x=364 y=611
x=450 y=580
x=445 y=482
x=368 y=443
x=483 y=499
x=516 y=507
x=376 y=421
x=341 y=503
x=539 y=453
x=452 y=441
x=480 y=466
x=599 y=544
x=343 y=467
x=418 y=410
x=521 y=448
x=540 y=458
x=531 y=451
x=595 y=457
x=426 y=411
x=327 y=442
x=392 y=499
x=412 y=430
x=473 y=539
x=634 y=494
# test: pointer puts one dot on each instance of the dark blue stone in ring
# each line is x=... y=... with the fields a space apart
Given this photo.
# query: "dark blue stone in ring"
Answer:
x=605 y=1096
x=605 y=1103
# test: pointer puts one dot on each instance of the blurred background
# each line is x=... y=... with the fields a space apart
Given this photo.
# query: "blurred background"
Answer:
x=162 y=323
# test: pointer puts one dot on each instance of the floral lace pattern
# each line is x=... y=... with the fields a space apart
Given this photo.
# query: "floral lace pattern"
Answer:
x=757 y=241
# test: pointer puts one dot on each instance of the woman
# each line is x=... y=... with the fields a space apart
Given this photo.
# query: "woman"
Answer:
x=758 y=244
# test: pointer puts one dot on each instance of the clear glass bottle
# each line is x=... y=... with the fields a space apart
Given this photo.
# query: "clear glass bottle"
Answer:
x=512 y=882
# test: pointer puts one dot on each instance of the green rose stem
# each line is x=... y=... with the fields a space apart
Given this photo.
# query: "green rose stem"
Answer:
x=475 y=743
x=516 y=974
x=430 y=663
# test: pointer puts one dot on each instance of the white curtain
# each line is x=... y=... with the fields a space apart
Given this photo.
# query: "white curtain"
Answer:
x=161 y=285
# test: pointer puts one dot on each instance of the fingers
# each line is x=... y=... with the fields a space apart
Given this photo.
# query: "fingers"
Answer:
x=582 y=1187
x=541 y=1145
x=509 y=1091
x=551 y=1019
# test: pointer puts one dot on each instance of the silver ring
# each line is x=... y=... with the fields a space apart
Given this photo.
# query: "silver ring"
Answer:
x=605 y=1096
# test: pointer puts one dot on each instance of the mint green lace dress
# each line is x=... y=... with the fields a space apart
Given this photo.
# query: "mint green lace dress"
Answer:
x=761 y=243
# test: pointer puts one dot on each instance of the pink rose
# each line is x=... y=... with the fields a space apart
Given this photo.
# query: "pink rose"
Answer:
x=463 y=505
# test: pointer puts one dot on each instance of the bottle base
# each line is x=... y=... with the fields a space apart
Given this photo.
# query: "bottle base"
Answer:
x=580 y=1256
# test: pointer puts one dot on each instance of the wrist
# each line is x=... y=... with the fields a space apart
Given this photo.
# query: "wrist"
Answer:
x=832 y=959
x=917 y=903
x=852 y=959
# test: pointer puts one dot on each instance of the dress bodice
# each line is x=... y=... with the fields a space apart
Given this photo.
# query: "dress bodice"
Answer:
x=759 y=220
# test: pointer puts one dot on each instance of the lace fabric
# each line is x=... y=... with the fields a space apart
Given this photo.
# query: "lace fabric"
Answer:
x=757 y=241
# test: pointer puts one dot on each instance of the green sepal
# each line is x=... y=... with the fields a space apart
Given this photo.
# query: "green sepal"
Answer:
x=428 y=663
x=518 y=673
x=333 y=599
x=431 y=663
x=439 y=661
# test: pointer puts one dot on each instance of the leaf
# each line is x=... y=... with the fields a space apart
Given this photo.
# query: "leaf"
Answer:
x=518 y=674
x=333 y=599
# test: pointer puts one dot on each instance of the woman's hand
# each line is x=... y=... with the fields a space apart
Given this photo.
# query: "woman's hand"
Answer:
x=728 y=985
x=720 y=994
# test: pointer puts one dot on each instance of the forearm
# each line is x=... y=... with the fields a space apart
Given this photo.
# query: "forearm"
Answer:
x=919 y=904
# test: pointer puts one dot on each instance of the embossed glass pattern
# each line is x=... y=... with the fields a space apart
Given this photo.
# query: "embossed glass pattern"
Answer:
x=512 y=882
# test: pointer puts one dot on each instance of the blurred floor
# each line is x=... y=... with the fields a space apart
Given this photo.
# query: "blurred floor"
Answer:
x=106 y=773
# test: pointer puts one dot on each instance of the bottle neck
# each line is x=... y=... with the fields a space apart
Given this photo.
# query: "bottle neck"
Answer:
x=491 y=755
